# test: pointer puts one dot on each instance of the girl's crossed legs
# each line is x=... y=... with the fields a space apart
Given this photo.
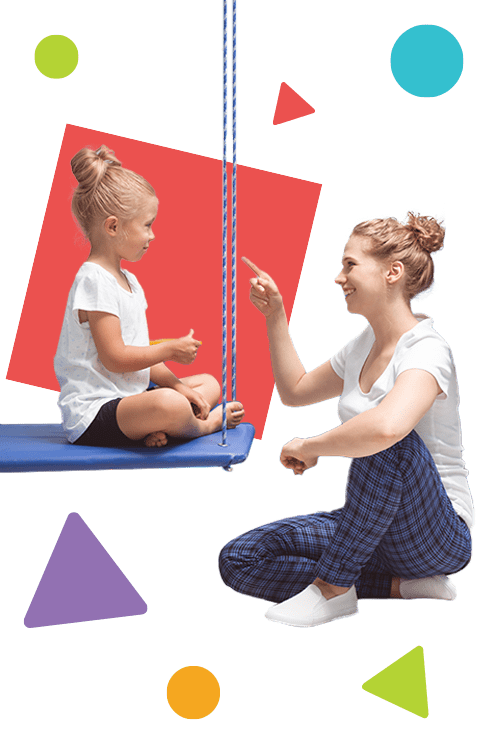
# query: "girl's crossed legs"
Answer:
x=397 y=522
x=162 y=412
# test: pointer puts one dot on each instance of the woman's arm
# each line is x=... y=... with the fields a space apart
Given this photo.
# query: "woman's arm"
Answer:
x=372 y=431
x=295 y=386
x=120 y=358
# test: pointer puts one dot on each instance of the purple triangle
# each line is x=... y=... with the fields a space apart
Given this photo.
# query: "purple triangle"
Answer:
x=81 y=582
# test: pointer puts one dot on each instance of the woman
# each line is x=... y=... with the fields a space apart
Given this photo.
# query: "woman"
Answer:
x=405 y=522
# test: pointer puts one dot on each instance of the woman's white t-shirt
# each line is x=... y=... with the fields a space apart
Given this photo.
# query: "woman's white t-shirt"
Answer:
x=85 y=383
x=440 y=428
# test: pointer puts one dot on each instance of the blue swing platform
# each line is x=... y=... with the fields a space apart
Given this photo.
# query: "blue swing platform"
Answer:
x=45 y=448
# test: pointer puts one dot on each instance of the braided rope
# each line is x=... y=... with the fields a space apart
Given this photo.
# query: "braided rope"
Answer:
x=224 y=233
x=234 y=195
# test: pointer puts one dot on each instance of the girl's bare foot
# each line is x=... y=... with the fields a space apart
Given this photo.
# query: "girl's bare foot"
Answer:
x=155 y=440
x=235 y=413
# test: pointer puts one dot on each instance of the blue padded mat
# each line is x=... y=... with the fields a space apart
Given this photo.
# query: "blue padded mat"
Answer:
x=45 y=448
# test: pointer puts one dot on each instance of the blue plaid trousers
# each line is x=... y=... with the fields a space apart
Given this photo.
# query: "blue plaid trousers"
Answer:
x=397 y=520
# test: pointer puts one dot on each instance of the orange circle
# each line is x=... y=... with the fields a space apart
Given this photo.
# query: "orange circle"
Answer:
x=193 y=692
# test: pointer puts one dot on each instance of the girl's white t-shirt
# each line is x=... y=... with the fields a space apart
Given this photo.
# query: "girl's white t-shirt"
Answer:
x=440 y=428
x=85 y=383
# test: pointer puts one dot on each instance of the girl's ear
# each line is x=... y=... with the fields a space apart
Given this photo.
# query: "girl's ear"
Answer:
x=395 y=272
x=110 y=225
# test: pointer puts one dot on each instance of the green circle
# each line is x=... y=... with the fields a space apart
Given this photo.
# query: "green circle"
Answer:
x=56 y=56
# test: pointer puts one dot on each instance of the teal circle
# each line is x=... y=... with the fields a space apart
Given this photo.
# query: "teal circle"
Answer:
x=56 y=56
x=426 y=61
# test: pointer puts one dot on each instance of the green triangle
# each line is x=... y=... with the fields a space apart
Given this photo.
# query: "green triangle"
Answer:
x=403 y=683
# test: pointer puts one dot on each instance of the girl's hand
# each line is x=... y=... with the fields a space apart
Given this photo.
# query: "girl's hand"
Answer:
x=200 y=406
x=185 y=349
x=294 y=457
x=264 y=292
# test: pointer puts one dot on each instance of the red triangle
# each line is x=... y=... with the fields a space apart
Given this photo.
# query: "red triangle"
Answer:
x=290 y=105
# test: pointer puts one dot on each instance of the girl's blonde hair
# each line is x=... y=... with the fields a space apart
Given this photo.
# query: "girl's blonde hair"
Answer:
x=411 y=243
x=105 y=188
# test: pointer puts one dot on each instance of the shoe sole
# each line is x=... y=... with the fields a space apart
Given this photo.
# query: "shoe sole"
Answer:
x=313 y=625
x=452 y=596
x=446 y=590
x=443 y=598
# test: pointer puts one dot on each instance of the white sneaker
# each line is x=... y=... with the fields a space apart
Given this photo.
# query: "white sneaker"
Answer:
x=429 y=587
x=310 y=608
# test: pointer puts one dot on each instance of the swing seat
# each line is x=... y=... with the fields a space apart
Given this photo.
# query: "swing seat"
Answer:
x=45 y=448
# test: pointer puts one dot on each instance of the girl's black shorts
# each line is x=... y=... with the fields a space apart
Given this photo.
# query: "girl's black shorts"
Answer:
x=104 y=430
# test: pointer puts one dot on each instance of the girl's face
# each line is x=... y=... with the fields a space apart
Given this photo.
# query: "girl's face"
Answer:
x=138 y=232
x=362 y=278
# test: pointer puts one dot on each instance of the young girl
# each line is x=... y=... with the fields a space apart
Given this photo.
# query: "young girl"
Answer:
x=104 y=362
x=407 y=513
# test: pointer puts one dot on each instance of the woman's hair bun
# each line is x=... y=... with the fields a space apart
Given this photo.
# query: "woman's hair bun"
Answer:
x=89 y=166
x=428 y=233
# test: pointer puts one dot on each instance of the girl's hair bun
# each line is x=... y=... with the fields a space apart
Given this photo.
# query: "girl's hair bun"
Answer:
x=105 y=188
x=108 y=155
x=89 y=166
x=428 y=233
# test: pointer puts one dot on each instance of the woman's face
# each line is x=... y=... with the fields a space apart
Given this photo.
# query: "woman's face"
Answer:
x=362 y=277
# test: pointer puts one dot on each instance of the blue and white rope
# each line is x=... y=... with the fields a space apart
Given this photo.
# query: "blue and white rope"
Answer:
x=234 y=195
x=224 y=234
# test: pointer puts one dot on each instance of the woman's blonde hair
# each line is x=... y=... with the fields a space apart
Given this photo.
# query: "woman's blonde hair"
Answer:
x=411 y=243
x=105 y=188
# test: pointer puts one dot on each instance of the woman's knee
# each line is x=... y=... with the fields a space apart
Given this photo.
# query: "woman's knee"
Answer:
x=225 y=564
x=399 y=456
x=412 y=447
x=239 y=555
x=224 y=555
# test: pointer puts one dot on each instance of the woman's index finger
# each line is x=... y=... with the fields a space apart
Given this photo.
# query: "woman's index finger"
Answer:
x=253 y=267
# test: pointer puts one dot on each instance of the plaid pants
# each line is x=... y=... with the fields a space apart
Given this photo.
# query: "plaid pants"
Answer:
x=397 y=521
